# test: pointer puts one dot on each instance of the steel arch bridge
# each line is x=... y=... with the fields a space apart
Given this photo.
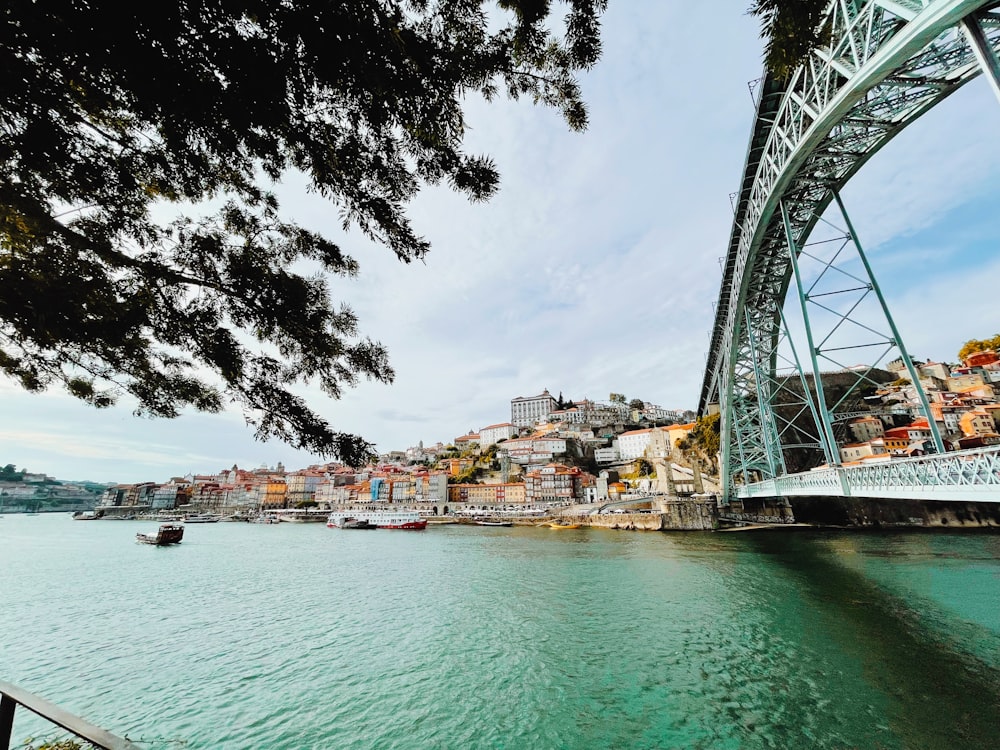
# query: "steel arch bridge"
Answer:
x=884 y=63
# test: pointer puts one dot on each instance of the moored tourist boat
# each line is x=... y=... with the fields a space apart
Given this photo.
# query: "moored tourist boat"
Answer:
x=203 y=518
x=168 y=533
x=379 y=519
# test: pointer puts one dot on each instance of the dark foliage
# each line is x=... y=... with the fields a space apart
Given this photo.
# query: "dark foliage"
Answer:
x=9 y=473
x=108 y=111
x=791 y=29
x=701 y=445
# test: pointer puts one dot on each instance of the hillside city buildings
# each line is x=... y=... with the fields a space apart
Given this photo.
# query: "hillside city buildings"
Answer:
x=963 y=404
x=28 y=491
x=562 y=452
x=538 y=458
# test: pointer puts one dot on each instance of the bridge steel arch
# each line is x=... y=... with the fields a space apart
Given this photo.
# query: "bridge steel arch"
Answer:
x=887 y=62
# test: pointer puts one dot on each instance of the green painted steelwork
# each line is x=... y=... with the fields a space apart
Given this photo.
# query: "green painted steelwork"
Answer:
x=884 y=66
x=826 y=423
x=898 y=340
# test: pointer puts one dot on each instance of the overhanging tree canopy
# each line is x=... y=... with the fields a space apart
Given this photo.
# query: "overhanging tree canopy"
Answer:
x=106 y=110
x=791 y=30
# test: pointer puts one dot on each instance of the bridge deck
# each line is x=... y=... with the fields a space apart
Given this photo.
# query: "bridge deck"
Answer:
x=963 y=476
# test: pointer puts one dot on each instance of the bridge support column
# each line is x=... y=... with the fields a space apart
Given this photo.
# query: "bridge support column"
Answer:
x=769 y=430
x=838 y=293
x=825 y=424
x=986 y=56
x=897 y=339
x=807 y=398
x=699 y=486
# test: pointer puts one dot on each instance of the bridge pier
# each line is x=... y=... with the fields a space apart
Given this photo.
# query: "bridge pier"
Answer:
x=758 y=510
x=879 y=513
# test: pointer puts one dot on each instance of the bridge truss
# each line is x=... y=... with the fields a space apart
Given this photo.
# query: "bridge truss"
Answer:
x=887 y=62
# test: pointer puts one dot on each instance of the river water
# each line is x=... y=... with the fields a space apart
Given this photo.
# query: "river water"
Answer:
x=298 y=636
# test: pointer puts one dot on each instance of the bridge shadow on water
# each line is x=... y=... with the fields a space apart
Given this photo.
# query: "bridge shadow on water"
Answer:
x=943 y=696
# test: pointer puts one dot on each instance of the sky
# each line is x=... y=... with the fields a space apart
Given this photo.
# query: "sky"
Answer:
x=593 y=270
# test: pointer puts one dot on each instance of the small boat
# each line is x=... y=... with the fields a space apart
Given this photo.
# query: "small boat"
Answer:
x=494 y=523
x=168 y=533
x=266 y=519
x=203 y=518
x=85 y=515
x=564 y=525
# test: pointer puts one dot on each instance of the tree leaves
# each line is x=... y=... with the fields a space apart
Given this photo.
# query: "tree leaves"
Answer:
x=973 y=346
x=106 y=113
x=791 y=29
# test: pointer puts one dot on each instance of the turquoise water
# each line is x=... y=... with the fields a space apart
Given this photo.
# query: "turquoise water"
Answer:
x=299 y=636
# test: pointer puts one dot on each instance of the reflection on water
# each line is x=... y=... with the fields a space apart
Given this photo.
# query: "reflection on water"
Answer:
x=297 y=636
x=893 y=620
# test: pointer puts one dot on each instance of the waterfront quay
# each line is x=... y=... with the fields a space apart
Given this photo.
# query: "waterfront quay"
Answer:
x=646 y=513
x=640 y=512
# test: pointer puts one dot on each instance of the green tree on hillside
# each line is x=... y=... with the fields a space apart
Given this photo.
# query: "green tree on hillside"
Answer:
x=9 y=473
x=195 y=109
x=703 y=442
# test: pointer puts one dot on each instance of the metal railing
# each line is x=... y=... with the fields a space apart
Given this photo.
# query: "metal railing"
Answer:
x=970 y=476
x=11 y=696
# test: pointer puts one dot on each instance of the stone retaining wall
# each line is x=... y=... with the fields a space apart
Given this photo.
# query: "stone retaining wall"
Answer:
x=630 y=521
x=878 y=513
x=675 y=515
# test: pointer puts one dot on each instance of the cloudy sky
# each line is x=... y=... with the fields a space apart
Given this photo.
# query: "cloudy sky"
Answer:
x=595 y=268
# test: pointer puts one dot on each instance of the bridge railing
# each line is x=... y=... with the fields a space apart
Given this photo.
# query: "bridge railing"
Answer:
x=970 y=475
x=11 y=696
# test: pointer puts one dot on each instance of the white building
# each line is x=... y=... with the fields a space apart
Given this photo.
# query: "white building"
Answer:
x=652 y=412
x=859 y=451
x=568 y=416
x=633 y=444
x=527 y=410
x=867 y=428
x=466 y=442
x=607 y=455
x=494 y=433
x=533 y=450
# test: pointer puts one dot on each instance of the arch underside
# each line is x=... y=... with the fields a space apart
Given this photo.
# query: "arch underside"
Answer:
x=888 y=63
